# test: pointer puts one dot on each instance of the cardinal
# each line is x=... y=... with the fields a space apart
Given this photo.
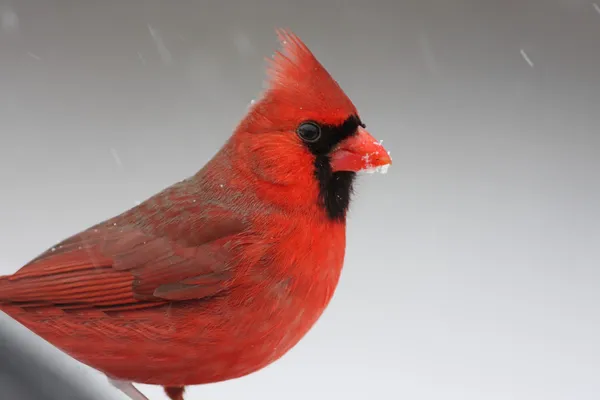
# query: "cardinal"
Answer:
x=221 y=274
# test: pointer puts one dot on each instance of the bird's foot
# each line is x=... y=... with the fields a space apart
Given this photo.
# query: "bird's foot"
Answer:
x=175 y=392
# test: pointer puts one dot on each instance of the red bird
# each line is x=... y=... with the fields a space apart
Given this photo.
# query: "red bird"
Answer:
x=221 y=274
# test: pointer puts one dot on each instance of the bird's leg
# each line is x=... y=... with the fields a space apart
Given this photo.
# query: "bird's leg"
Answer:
x=175 y=392
x=128 y=389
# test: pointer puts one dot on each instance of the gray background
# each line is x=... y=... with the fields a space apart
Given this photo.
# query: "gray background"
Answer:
x=472 y=267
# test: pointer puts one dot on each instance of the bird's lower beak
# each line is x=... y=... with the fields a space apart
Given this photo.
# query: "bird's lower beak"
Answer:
x=360 y=152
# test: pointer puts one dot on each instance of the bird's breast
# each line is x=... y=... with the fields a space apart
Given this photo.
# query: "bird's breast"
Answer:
x=286 y=291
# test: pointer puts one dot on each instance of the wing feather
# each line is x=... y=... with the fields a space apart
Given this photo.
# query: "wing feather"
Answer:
x=126 y=267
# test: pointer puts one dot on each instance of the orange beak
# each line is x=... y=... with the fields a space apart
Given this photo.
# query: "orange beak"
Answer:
x=360 y=152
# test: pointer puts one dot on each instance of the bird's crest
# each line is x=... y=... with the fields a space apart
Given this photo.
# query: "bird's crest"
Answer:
x=298 y=79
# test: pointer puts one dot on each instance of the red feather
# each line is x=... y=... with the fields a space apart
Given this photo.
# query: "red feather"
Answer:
x=219 y=275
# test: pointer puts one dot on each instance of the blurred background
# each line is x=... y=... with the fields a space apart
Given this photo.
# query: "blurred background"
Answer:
x=472 y=267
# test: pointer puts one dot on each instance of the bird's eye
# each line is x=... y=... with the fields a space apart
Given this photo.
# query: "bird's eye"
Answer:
x=309 y=132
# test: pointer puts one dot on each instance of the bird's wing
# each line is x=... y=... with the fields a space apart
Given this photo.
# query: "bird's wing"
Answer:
x=114 y=267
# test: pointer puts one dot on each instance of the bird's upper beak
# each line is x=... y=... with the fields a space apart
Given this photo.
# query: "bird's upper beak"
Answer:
x=360 y=152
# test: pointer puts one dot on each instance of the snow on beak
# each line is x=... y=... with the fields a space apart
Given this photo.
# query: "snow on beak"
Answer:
x=360 y=152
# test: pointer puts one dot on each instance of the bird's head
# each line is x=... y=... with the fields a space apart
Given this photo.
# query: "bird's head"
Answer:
x=304 y=138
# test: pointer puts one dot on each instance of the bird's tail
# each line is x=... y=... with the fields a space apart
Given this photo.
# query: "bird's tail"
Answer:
x=4 y=282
